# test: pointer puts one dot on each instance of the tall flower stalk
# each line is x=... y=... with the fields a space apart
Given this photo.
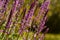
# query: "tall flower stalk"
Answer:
x=44 y=8
x=26 y=22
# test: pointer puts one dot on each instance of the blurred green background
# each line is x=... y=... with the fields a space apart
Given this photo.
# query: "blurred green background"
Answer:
x=53 y=21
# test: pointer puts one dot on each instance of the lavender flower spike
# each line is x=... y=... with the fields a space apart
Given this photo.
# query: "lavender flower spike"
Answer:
x=43 y=8
x=45 y=5
x=43 y=20
x=1 y=3
x=11 y=13
x=30 y=14
x=28 y=18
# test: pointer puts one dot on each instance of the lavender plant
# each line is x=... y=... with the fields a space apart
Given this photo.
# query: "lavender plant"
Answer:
x=21 y=20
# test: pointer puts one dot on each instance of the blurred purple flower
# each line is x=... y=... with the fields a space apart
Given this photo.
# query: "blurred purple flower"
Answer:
x=43 y=8
x=44 y=11
x=11 y=13
x=3 y=5
x=27 y=18
x=43 y=20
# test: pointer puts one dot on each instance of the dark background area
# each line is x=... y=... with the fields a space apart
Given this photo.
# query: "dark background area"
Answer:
x=54 y=20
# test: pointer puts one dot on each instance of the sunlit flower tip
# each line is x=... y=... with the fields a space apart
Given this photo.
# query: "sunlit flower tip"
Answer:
x=45 y=4
x=34 y=35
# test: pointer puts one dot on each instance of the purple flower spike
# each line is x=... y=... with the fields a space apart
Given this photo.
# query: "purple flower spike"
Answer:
x=16 y=5
x=1 y=6
x=42 y=23
x=43 y=8
x=5 y=4
x=32 y=5
x=45 y=4
x=1 y=3
x=9 y=20
x=44 y=11
x=30 y=14
x=26 y=22
x=13 y=10
x=44 y=19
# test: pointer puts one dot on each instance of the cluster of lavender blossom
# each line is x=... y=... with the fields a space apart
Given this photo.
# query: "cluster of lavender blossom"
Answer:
x=20 y=18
